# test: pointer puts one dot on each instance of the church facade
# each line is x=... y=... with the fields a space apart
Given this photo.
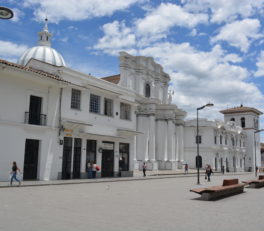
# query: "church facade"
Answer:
x=160 y=123
x=55 y=120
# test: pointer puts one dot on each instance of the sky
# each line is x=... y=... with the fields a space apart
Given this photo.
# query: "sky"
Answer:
x=212 y=49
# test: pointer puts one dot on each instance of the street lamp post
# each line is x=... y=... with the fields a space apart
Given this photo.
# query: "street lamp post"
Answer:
x=198 y=141
x=6 y=13
x=260 y=130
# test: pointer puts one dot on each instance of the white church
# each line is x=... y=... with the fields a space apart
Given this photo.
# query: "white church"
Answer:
x=54 y=120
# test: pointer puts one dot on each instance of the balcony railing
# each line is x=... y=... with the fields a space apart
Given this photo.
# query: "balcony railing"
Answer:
x=35 y=118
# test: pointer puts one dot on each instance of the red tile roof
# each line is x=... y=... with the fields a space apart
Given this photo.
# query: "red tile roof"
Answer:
x=241 y=109
x=40 y=72
x=113 y=79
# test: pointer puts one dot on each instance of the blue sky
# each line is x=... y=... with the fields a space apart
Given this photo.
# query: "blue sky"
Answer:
x=212 y=49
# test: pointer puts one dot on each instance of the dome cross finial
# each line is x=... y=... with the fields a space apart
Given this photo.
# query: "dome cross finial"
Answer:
x=45 y=35
x=46 y=24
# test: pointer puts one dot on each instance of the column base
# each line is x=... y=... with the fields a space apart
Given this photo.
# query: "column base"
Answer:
x=136 y=165
x=151 y=165
x=167 y=165
x=179 y=164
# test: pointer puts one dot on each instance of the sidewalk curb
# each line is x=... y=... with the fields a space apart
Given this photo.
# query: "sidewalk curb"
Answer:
x=100 y=180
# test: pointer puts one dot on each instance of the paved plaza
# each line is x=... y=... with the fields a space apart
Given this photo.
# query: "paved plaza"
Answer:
x=156 y=204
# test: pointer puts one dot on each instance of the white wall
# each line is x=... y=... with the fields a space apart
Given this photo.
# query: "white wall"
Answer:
x=15 y=90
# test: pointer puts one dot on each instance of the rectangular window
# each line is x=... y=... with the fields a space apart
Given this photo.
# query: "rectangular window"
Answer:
x=95 y=103
x=225 y=140
x=215 y=139
x=221 y=139
x=108 y=107
x=199 y=139
x=76 y=99
x=125 y=111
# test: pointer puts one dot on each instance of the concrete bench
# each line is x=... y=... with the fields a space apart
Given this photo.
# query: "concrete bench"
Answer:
x=229 y=187
x=256 y=183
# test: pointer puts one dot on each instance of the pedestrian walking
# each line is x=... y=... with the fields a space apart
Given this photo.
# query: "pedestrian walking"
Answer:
x=89 y=170
x=186 y=167
x=94 y=170
x=14 y=173
x=208 y=172
x=144 y=168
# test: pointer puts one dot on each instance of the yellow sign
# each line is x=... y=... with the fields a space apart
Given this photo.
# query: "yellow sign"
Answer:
x=68 y=130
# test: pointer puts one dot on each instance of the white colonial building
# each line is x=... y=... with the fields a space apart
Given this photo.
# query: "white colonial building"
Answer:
x=54 y=120
x=248 y=119
x=230 y=143
x=221 y=144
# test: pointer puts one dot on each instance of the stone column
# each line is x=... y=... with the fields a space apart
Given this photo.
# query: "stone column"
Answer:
x=177 y=131
x=140 y=140
x=181 y=144
x=135 y=164
x=152 y=138
x=170 y=145
x=169 y=141
x=161 y=134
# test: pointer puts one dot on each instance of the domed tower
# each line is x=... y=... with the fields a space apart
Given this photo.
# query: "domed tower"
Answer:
x=248 y=119
x=43 y=51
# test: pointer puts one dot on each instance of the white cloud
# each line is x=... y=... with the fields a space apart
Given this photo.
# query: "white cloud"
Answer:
x=117 y=37
x=239 y=33
x=225 y=10
x=11 y=51
x=167 y=15
x=199 y=77
x=18 y=14
x=193 y=32
x=260 y=65
x=76 y=10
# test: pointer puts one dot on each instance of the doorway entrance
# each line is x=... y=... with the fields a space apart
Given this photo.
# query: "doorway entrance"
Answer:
x=76 y=173
x=67 y=158
x=108 y=160
x=31 y=159
x=71 y=160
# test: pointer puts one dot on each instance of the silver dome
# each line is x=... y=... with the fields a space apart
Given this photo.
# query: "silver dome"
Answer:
x=43 y=53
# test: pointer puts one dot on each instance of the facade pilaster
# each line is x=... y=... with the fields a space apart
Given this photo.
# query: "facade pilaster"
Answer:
x=181 y=145
x=152 y=138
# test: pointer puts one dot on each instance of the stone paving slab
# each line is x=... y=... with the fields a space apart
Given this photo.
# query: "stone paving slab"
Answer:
x=159 y=204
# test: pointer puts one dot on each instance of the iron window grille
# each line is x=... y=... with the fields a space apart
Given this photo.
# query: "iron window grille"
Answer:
x=36 y=119
x=125 y=111
x=76 y=99
x=95 y=103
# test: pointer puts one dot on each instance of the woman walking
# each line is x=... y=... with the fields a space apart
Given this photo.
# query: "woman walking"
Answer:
x=208 y=172
x=13 y=173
